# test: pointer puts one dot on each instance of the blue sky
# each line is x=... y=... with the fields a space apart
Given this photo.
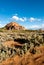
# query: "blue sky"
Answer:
x=28 y=13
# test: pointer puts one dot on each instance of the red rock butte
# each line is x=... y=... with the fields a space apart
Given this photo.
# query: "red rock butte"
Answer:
x=14 y=26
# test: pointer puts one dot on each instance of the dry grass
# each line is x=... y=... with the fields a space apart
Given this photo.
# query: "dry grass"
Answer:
x=27 y=59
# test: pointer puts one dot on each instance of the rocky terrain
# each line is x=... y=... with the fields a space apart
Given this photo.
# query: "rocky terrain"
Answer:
x=21 y=47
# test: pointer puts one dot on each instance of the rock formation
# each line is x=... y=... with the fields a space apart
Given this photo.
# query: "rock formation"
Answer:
x=14 y=26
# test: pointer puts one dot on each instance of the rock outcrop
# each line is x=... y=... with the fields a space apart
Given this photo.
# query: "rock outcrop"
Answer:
x=14 y=26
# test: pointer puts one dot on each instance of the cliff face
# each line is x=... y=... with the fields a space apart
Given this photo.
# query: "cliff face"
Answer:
x=15 y=26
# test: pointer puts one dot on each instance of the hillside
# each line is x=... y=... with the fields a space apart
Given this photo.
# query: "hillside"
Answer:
x=14 y=26
x=25 y=47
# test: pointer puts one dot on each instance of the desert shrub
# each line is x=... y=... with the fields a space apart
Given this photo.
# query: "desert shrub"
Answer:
x=6 y=52
x=25 y=47
x=29 y=43
x=1 y=46
x=33 y=51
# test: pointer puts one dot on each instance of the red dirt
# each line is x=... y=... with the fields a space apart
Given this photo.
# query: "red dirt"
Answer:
x=27 y=59
x=12 y=43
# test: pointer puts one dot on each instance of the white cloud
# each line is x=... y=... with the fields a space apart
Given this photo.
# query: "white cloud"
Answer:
x=1 y=25
x=34 y=27
x=19 y=19
x=37 y=26
x=32 y=19
x=25 y=18
x=15 y=17
x=42 y=26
